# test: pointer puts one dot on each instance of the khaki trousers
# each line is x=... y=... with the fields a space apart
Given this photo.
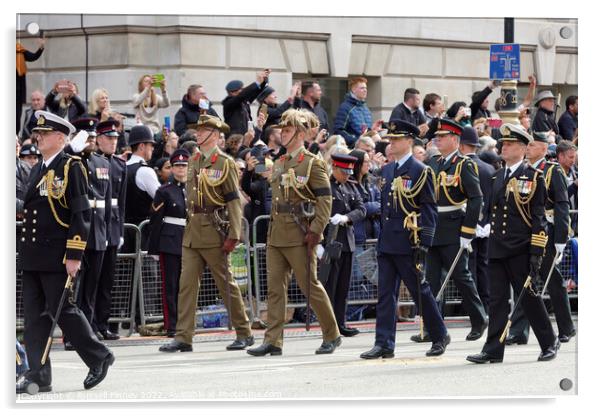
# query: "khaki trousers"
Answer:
x=193 y=265
x=279 y=262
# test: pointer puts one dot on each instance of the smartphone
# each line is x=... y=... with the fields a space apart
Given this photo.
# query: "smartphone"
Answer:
x=167 y=123
x=250 y=125
x=258 y=153
x=264 y=110
x=467 y=111
x=41 y=34
x=158 y=78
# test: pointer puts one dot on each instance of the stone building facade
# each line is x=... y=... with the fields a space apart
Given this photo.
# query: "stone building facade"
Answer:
x=449 y=56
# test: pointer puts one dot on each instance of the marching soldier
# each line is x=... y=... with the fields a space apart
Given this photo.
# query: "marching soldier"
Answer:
x=99 y=194
x=166 y=232
x=478 y=260
x=459 y=201
x=212 y=231
x=408 y=227
x=516 y=247
x=301 y=204
x=55 y=231
x=106 y=141
x=347 y=208
x=557 y=216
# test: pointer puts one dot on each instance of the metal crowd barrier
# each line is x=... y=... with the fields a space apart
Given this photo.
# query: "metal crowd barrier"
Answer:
x=209 y=300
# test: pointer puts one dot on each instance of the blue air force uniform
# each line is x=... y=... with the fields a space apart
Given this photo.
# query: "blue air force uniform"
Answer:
x=167 y=223
x=408 y=219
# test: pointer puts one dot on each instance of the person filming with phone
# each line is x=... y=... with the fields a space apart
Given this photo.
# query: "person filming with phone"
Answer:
x=63 y=100
x=237 y=109
x=147 y=102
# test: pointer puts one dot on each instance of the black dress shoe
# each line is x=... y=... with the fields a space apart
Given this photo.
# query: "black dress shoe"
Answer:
x=348 y=331
x=438 y=348
x=550 y=352
x=564 y=338
x=108 y=335
x=240 y=344
x=329 y=347
x=99 y=372
x=516 y=340
x=475 y=334
x=378 y=352
x=416 y=338
x=483 y=358
x=265 y=349
x=27 y=386
x=174 y=346
x=69 y=346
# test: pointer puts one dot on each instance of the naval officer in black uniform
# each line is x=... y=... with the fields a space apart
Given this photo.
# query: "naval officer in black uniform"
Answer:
x=459 y=201
x=408 y=218
x=99 y=196
x=55 y=230
x=347 y=208
x=478 y=260
x=106 y=141
x=557 y=219
x=516 y=246
x=167 y=223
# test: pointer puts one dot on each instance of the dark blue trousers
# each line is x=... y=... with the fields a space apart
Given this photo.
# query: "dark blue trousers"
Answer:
x=392 y=268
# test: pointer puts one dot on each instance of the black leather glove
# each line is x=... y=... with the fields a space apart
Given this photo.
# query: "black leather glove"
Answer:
x=534 y=266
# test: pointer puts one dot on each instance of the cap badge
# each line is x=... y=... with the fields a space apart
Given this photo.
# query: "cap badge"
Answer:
x=41 y=121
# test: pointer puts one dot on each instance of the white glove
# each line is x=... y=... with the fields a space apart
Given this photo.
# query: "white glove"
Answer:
x=339 y=219
x=155 y=257
x=559 y=249
x=465 y=243
x=78 y=143
x=120 y=243
x=483 y=231
x=320 y=251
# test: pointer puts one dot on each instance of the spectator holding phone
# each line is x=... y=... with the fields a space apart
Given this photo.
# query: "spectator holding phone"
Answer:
x=100 y=106
x=63 y=100
x=255 y=183
x=146 y=102
x=237 y=110
x=268 y=103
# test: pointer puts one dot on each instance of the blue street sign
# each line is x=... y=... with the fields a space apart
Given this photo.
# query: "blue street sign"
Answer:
x=504 y=61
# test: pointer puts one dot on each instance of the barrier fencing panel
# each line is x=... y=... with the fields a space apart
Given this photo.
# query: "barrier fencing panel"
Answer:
x=211 y=311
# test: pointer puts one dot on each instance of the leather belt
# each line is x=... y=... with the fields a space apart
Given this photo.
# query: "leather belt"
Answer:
x=196 y=209
x=178 y=221
x=97 y=203
x=285 y=208
x=447 y=209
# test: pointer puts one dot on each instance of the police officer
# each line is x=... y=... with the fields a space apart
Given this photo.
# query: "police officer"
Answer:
x=557 y=216
x=409 y=213
x=301 y=205
x=55 y=231
x=459 y=201
x=166 y=232
x=99 y=194
x=29 y=154
x=478 y=259
x=347 y=208
x=211 y=234
x=516 y=246
x=106 y=141
x=142 y=183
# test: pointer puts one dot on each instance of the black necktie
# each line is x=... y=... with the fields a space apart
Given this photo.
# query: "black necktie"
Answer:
x=508 y=173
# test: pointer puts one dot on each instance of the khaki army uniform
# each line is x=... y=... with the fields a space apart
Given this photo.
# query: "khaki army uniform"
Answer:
x=212 y=183
x=297 y=177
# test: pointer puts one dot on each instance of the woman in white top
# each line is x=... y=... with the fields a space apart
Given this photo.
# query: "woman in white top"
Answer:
x=147 y=102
